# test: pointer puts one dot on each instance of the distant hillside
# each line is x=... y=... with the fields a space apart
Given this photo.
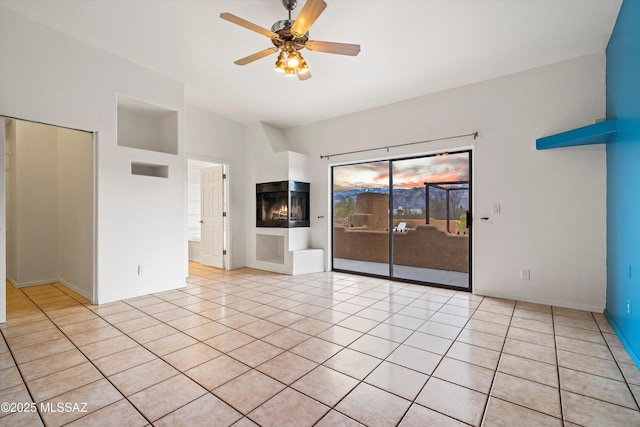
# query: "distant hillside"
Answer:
x=406 y=198
x=409 y=198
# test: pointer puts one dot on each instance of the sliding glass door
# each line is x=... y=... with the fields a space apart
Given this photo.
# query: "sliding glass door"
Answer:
x=430 y=206
x=361 y=218
x=405 y=219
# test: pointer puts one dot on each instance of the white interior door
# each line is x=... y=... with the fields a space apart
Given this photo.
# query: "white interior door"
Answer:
x=212 y=216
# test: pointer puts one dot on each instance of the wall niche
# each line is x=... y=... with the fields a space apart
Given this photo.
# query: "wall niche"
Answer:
x=147 y=126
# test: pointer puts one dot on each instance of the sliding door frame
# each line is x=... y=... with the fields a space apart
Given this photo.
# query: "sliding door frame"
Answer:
x=390 y=276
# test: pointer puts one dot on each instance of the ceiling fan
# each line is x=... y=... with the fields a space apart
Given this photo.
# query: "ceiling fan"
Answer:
x=290 y=37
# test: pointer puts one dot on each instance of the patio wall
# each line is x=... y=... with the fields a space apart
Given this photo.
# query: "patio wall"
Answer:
x=425 y=246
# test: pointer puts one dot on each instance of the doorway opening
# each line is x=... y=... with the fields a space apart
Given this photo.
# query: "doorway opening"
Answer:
x=49 y=206
x=207 y=206
x=407 y=219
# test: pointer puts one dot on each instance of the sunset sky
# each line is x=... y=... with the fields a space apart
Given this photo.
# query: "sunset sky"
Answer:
x=406 y=173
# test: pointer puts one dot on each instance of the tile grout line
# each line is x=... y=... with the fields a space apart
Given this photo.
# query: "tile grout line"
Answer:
x=126 y=334
x=15 y=363
x=470 y=363
x=226 y=353
x=593 y=374
x=557 y=366
x=555 y=349
x=89 y=360
x=413 y=401
x=305 y=297
x=360 y=381
x=495 y=372
x=180 y=372
x=288 y=386
x=504 y=340
x=615 y=360
x=558 y=372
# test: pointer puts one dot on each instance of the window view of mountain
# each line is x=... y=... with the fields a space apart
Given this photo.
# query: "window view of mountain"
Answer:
x=409 y=189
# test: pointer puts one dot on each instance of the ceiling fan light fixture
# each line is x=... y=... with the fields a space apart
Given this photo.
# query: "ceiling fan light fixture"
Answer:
x=303 y=67
x=280 y=66
x=290 y=72
x=294 y=59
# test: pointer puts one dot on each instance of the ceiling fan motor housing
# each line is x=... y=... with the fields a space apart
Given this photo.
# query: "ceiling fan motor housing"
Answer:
x=283 y=29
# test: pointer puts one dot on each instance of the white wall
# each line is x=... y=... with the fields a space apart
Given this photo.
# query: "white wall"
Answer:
x=33 y=205
x=9 y=189
x=49 y=77
x=553 y=202
x=270 y=159
x=50 y=206
x=298 y=167
x=265 y=163
x=214 y=138
x=75 y=210
x=553 y=206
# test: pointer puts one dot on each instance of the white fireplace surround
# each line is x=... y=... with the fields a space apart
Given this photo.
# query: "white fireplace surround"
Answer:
x=284 y=250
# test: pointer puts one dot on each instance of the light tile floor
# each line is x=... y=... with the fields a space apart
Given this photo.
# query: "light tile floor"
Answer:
x=248 y=348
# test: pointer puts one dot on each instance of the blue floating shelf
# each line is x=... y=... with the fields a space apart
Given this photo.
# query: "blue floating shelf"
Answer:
x=597 y=133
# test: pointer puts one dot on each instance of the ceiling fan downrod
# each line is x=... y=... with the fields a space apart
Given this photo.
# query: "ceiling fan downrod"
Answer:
x=289 y=5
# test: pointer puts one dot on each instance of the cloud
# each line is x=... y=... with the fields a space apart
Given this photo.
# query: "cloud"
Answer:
x=407 y=173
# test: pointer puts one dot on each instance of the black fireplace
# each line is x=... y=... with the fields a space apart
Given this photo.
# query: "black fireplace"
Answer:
x=282 y=204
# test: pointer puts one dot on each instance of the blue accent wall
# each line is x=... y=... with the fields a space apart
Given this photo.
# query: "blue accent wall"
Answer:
x=623 y=179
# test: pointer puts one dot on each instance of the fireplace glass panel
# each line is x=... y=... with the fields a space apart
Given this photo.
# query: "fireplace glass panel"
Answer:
x=282 y=204
x=273 y=206
x=299 y=204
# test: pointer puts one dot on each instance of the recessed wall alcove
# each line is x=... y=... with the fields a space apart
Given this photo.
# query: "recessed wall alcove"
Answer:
x=147 y=126
x=149 y=169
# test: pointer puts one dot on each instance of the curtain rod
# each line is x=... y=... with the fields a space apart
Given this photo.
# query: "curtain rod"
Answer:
x=327 y=156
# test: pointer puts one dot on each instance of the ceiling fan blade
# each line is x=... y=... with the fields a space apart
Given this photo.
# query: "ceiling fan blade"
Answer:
x=304 y=76
x=330 y=47
x=307 y=16
x=256 y=56
x=249 y=25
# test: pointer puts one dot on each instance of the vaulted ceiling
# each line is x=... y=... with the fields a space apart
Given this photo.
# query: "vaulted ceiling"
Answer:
x=409 y=47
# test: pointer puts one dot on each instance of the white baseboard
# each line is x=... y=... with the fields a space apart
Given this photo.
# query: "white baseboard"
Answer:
x=13 y=282
x=76 y=289
x=69 y=285
x=555 y=303
x=34 y=283
x=120 y=297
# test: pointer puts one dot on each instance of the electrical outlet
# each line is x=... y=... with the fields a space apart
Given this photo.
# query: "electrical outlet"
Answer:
x=629 y=307
x=141 y=269
x=525 y=274
x=495 y=208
